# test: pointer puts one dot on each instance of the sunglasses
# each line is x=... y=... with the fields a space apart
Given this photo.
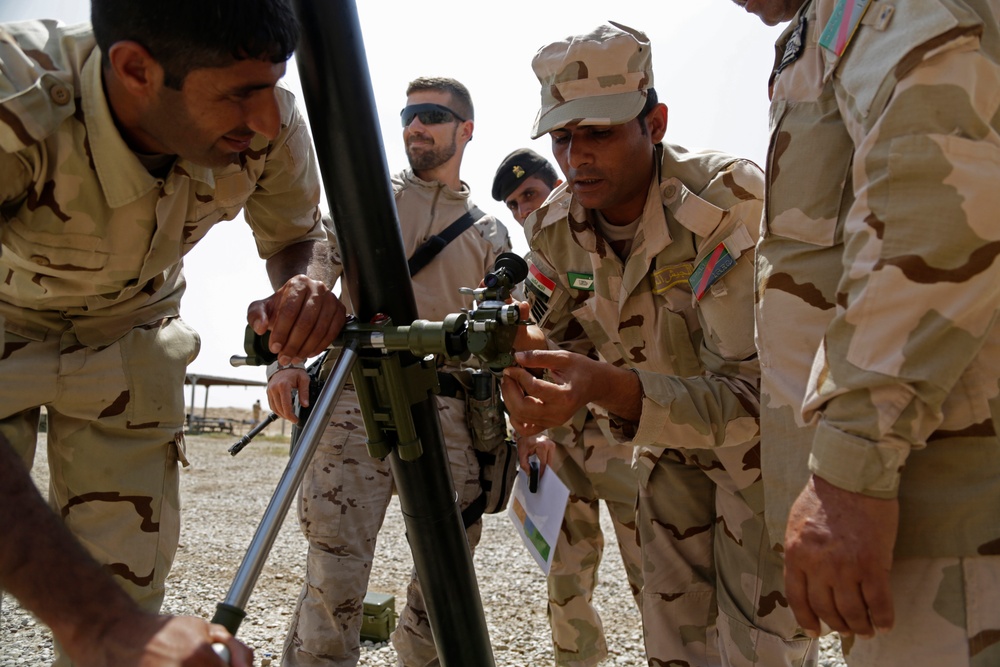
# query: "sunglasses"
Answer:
x=429 y=114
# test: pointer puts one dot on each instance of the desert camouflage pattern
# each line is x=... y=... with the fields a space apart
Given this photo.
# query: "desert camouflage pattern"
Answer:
x=699 y=479
x=89 y=233
x=962 y=591
x=342 y=504
x=595 y=468
x=92 y=248
x=597 y=78
x=345 y=492
x=123 y=405
x=877 y=277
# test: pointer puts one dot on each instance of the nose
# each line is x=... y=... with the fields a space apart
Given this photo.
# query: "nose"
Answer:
x=262 y=113
x=523 y=211
x=578 y=153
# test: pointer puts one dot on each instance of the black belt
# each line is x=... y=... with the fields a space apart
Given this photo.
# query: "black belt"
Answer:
x=450 y=387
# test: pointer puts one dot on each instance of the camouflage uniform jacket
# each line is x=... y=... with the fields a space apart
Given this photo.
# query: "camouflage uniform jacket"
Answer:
x=695 y=358
x=89 y=235
x=878 y=281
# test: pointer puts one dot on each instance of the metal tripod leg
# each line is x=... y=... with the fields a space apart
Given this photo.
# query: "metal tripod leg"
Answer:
x=230 y=613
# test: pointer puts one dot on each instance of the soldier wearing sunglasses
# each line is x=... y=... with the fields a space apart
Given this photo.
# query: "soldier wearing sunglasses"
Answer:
x=345 y=493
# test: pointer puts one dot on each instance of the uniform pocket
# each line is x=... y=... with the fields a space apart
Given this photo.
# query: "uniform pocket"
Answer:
x=155 y=359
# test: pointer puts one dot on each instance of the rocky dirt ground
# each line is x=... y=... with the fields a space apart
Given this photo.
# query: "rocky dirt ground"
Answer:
x=224 y=498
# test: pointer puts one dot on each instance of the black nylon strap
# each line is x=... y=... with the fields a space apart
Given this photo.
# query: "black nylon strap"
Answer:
x=471 y=514
x=423 y=255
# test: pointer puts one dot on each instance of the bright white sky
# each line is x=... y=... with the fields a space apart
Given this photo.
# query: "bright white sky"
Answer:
x=710 y=59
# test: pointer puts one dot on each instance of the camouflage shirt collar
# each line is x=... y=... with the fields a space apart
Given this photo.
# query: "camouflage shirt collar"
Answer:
x=409 y=177
x=123 y=178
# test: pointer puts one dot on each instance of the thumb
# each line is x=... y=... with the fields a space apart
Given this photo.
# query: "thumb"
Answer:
x=257 y=317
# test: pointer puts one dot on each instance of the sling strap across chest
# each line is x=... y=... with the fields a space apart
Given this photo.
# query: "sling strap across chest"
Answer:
x=430 y=248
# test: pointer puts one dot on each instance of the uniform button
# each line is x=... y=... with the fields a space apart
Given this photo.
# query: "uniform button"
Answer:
x=60 y=94
x=670 y=191
x=40 y=260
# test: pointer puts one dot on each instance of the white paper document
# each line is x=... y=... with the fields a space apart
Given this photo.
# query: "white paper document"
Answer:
x=538 y=516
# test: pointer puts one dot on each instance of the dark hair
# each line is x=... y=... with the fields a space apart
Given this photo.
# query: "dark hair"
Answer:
x=652 y=99
x=459 y=93
x=184 y=35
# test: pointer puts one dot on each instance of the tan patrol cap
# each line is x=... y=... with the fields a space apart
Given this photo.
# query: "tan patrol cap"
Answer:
x=600 y=78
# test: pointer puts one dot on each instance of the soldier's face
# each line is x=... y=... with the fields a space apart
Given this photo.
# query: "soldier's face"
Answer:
x=217 y=112
x=430 y=146
x=528 y=196
x=608 y=167
x=771 y=12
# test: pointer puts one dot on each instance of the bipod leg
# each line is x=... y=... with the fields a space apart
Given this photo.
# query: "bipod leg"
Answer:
x=230 y=613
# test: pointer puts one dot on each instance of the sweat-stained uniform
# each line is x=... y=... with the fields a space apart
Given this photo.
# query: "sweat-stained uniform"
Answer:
x=699 y=478
x=345 y=492
x=879 y=290
x=91 y=283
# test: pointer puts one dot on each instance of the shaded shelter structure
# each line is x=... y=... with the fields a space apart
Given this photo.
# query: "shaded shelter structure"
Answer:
x=207 y=381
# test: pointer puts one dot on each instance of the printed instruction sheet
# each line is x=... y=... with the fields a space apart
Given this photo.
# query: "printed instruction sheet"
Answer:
x=538 y=516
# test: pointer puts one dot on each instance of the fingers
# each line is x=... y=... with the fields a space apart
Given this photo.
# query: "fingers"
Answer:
x=280 y=388
x=239 y=654
x=303 y=316
x=524 y=452
x=257 y=316
x=849 y=610
x=798 y=601
x=878 y=595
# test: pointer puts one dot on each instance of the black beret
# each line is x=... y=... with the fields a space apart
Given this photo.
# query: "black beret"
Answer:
x=516 y=167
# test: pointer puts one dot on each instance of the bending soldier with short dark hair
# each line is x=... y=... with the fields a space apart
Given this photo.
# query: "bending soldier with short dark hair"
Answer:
x=121 y=146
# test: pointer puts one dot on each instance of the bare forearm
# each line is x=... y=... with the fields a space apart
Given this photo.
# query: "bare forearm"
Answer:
x=309 y=258
x=617 y=390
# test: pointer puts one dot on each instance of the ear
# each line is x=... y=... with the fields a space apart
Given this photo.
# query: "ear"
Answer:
x=135 y=69
x=465 y=129
x=656 y=123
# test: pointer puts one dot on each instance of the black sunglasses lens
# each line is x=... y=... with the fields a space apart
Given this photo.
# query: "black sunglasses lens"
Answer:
x=434 y=117
x=427 y=116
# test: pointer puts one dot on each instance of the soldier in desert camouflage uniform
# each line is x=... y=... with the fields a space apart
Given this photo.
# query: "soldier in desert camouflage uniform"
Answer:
x=114 y=163
x=879 y=338
x=652 y=249
x=590 y=463
x=345 y=492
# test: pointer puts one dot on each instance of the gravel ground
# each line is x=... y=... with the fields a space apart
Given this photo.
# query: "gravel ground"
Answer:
x=224 y=498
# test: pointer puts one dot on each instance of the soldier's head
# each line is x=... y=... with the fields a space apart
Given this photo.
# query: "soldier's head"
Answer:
x=522 y=182
x=602 y=115
x=191 y=78
x=438 y=120
x=772 y=12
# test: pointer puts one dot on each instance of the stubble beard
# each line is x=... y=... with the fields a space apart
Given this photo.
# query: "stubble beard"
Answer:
x=431 y=157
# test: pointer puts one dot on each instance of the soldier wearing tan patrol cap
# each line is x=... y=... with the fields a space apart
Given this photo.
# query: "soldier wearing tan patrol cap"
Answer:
x=646 y=255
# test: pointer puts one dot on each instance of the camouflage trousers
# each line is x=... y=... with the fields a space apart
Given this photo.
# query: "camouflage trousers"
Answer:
x=343 y=500
x=713 y=590
x=594 y=470
x=115 y=436
x=947 y=613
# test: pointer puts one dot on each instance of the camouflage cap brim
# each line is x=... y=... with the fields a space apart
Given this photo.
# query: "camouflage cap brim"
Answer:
x=596 y=110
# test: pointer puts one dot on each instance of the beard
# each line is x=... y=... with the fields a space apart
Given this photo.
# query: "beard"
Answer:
x=429 y=156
